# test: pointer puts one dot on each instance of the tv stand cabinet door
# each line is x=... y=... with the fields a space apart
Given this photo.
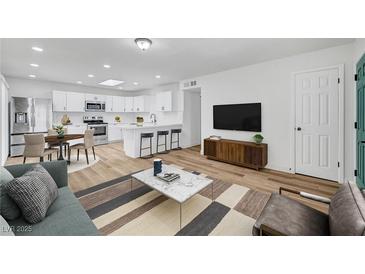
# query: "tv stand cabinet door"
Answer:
x=211 y=148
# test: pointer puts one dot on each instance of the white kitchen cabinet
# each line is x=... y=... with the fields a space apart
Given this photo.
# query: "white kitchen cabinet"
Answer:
x=164 y=101
x=59 y=101
x=114 y=133
x=75 y=102
x=129 y=104
x=109 y=103
x=118 y=104
x=139 y=104
x=95 y=97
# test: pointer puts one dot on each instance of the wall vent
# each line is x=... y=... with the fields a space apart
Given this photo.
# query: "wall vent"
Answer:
x=190 y=84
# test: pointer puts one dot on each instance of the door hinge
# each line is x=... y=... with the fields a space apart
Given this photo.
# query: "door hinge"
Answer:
x=355 y=125
x=338 y=80
x=355 y=172
x=338 y=164
x=355 y=76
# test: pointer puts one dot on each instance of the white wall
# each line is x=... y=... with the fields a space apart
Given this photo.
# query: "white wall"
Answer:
x=271 y=84
x=4 y=128
x=191 y=131
x=359 y=49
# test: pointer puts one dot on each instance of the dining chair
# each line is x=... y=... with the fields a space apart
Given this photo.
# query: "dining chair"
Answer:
x=87 y=144
x=35 y=147
x=66 y=145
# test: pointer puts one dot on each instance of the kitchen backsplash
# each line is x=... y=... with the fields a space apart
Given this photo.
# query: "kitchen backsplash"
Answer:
x=162 y=117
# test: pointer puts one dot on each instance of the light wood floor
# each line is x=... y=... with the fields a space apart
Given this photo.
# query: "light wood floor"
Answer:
x=114 y=163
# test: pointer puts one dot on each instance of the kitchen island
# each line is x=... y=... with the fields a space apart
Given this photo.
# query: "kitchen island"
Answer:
x=132 y=137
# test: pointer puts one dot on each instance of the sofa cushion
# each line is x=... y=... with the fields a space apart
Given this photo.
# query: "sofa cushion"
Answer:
x=5 y=229
x=8 y=208
x=347 y=211
x=33 y=192
x=290 y=217
x=65 y=217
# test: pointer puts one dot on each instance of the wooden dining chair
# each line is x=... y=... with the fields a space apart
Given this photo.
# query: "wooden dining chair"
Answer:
x=35 y=147
x=87 y=144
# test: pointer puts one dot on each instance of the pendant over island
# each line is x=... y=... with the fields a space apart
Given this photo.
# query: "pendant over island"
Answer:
x=132 y=137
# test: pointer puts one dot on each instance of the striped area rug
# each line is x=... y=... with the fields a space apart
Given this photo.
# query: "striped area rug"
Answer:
x=118 y=209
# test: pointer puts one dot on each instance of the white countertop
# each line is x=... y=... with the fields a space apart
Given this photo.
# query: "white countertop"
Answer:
x=150 y=125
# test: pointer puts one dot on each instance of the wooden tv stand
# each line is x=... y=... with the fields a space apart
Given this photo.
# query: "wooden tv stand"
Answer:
x=247 y=154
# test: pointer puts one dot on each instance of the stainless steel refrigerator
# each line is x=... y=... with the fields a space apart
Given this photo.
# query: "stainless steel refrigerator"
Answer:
x=28 y=115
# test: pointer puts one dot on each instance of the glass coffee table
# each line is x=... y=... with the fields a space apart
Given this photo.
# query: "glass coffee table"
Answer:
x=179 y=190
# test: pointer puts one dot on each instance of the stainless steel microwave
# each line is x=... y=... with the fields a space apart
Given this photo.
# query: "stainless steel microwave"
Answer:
x=94 y=106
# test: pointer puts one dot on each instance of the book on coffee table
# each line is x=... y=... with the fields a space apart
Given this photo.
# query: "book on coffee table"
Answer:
x=168 y=177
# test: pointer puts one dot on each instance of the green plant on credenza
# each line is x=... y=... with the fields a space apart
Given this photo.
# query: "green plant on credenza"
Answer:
x=258 y=138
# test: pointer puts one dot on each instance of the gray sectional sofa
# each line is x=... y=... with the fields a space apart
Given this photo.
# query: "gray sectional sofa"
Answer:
x=65 y=217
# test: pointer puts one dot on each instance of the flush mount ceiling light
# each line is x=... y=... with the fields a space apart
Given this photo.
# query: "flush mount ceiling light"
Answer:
x=107 y=66
x=34 y=65
x=111 y=83
x=32 y=76
x=90 y=76
x=37 y=49
x=143 y=43
x=158 y=76
x=79 y=82
x=135 y=83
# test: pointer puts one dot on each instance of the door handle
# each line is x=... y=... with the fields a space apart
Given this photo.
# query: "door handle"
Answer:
x=299 y=128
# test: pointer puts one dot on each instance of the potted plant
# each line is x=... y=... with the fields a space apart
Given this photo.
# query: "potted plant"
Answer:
x=60 y=131
x=117 y=119
x=139 y=121
x=258 y=138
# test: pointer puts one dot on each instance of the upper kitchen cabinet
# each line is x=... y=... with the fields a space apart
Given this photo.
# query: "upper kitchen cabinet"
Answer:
x=68 y=101
x=129 y=104
x=109 y=104
x=59 y=100
x=142 y=103
x=95 y=97
x=118 y=104
x=75 y=102
x=164 y=101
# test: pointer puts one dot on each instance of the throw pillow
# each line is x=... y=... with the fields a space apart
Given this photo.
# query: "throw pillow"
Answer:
x=5 y=229
x=33 y=192
x=8 y=208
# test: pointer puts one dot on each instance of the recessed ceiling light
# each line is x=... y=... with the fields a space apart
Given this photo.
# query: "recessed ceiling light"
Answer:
x=32 y=76
x=135 y=83
x=107 y=66
x=90 y=75
x=37 y=49
x=143 y=43
x=158 y=76
x=34 y=65
x=79 y=82
x=111 y=83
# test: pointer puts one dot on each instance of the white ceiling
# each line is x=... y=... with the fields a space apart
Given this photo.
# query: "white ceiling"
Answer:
x=71 y=60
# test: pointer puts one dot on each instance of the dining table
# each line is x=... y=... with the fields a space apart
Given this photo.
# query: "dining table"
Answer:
x=60 y=140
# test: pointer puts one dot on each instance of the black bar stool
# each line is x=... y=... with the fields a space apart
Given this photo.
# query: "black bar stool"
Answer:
x=175 y=131
x=162 y=133
x=146 y=136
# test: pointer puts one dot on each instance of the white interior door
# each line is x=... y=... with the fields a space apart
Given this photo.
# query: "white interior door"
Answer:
x=317 y=123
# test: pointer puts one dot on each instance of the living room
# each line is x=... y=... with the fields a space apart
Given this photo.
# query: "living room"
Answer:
x=130 y=137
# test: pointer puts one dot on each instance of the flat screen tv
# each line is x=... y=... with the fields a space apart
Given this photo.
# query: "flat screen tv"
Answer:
x=244 y=117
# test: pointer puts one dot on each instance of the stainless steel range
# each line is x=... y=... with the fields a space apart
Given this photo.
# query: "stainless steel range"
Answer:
x=101 y=129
